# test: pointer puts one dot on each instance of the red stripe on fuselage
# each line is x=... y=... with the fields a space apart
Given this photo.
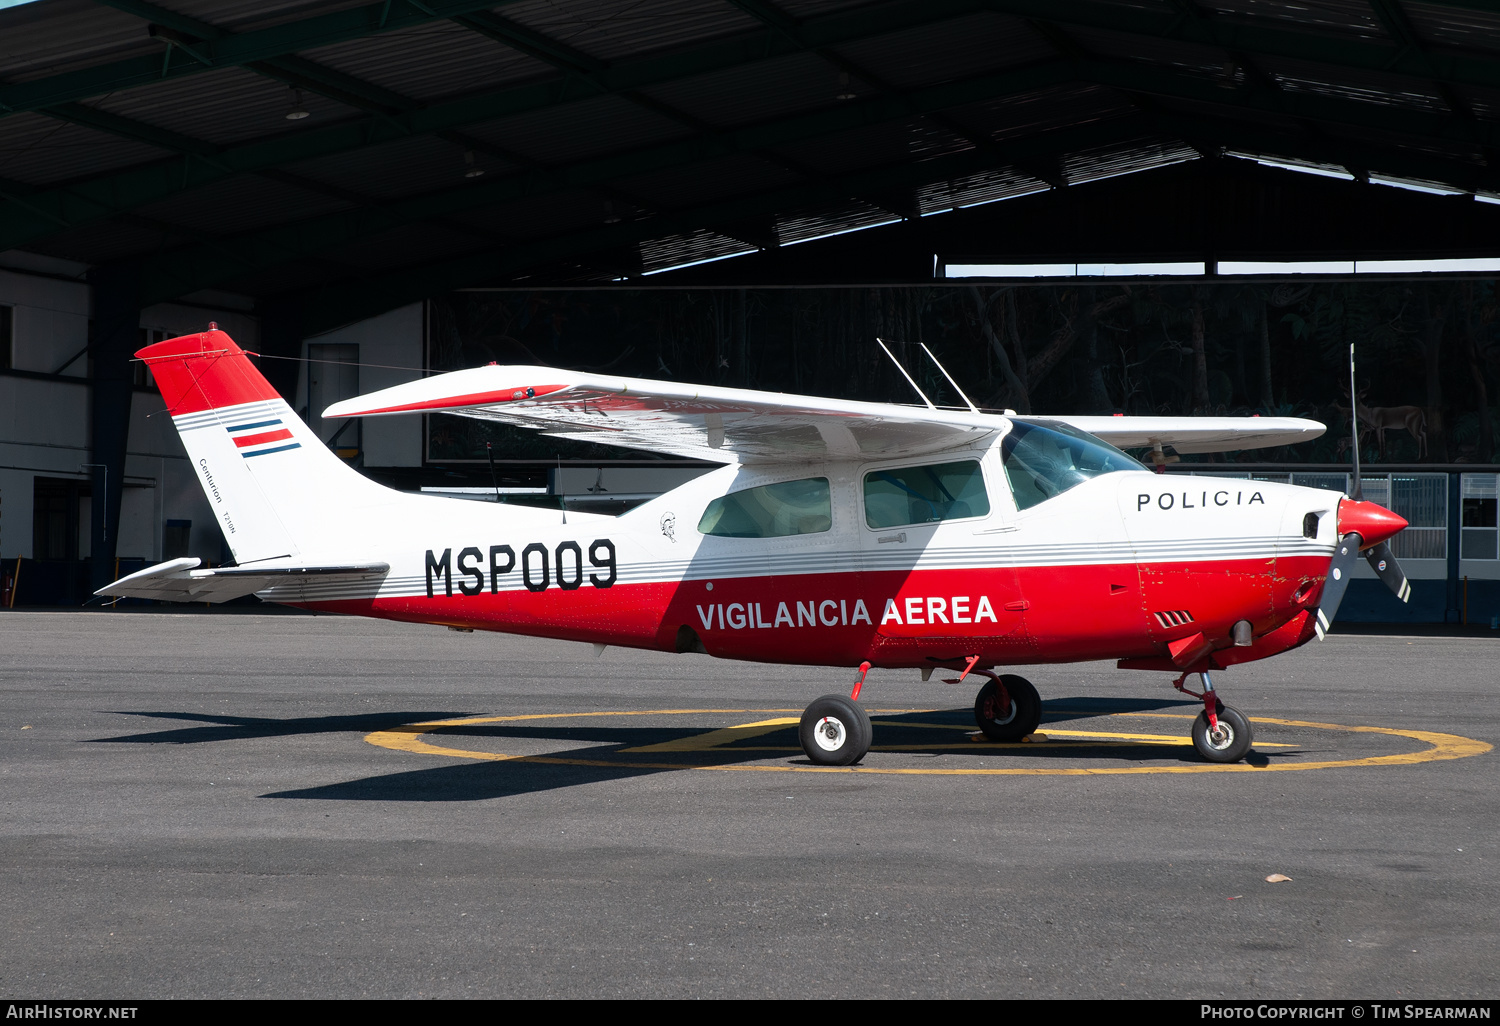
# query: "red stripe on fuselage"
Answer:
x=1070 y=614
x=264 y=436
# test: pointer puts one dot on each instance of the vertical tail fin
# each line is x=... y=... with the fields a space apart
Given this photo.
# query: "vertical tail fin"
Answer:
x=271 y=482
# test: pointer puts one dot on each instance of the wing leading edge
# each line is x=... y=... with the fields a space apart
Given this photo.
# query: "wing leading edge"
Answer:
x=736 y=425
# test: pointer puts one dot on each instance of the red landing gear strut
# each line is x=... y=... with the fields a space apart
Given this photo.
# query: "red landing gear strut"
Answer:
x=1007 y=708
x=835 y=731
x=1210 y=700
x=1220 y=734
x=864 y=668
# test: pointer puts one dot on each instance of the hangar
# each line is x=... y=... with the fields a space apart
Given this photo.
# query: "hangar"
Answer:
x=314 y=176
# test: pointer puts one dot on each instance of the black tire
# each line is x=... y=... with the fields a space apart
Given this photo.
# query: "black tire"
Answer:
x=1233 y=745
x=1011 y=724
x=835 y=731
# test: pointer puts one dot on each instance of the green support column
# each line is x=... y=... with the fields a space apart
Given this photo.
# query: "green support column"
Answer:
x=116 y=294
x=1453 y=613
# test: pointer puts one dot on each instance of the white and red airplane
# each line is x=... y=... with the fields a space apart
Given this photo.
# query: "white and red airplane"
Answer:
x=836 y=534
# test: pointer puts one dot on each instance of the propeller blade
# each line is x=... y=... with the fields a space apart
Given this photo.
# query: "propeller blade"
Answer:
x=1383 y=562
x=1337 y=583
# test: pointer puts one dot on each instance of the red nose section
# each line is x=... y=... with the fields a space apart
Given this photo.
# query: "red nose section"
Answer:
x=1374 y=524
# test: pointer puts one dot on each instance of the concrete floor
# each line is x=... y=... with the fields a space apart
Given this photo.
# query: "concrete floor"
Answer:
x=190 y=807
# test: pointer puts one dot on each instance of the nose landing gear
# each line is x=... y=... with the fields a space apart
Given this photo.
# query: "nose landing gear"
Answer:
x=1220 y=734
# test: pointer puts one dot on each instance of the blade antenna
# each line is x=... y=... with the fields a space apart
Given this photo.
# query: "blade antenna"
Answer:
x=934 y=359
x=1357 y=492
x=881 y=343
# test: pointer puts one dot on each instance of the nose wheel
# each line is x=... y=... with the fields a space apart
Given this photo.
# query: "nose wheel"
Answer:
x=1227 y=740
x=1220 y=734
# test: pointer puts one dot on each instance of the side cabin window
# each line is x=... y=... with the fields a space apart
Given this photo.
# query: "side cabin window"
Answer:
x=925 y=495
x=771 y=511
x=1043 y=459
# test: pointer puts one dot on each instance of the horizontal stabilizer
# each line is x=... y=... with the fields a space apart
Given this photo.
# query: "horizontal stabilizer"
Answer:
x=179 y=580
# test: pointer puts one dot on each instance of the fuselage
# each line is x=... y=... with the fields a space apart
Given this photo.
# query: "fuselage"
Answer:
x=837 y=533
x=1117 y=566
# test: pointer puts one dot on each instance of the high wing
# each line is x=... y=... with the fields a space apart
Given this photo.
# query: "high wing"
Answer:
x=735 y=425
x=179 y=580
x=725 y=425
x=1198 y=434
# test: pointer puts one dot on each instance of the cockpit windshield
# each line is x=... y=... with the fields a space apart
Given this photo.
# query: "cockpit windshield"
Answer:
x=1043 y=459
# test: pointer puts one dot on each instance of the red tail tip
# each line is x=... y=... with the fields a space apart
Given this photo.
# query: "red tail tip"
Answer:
x=204 y=371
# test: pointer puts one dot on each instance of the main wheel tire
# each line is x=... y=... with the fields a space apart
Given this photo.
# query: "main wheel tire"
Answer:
x=1231 y=743
x=1011 y=724
x=835 y=731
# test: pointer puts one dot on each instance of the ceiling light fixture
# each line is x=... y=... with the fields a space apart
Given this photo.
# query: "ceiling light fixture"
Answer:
x=299 y=109
x=473 y=169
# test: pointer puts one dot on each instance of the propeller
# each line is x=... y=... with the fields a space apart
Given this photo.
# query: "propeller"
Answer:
x=1357 y=521
x=1337 y=583
x=1383 y=562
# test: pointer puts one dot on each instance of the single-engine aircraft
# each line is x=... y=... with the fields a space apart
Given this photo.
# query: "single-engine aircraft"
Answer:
x=836 y=533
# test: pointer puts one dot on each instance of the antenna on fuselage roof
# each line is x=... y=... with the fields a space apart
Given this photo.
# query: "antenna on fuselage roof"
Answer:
x=934 y=359
x=881 y=343
x=1356 y=493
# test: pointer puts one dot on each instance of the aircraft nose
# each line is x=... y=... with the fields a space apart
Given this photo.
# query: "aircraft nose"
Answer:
x=1373 y=523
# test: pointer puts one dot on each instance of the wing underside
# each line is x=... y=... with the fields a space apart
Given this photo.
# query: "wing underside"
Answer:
x=1198 y=434
x=733 y=425
x=724 y=425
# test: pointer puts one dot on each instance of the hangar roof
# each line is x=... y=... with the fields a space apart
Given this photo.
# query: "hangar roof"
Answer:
x=364 y=154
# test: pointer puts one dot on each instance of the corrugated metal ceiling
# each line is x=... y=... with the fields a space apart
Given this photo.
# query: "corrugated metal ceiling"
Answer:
x=618 y=116
x=430 y=61
x=33 y=148
x=608 y=31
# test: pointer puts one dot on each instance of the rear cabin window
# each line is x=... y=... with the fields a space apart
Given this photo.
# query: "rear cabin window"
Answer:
x=771 y=511
x=925 y=495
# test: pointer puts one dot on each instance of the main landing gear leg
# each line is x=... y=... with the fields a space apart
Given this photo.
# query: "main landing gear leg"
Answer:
x=1220 y=733
x=1007 y=708
x=836 y=731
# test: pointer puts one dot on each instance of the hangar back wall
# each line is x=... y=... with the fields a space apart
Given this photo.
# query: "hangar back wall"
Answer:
x=1430 y=348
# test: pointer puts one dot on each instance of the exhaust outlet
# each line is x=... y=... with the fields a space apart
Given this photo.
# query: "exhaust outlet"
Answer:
x=1241 y=634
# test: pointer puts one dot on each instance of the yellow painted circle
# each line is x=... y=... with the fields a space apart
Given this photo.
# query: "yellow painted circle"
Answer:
x=413 y=738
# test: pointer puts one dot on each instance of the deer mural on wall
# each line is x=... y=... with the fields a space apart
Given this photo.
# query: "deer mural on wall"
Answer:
x=1377 y=419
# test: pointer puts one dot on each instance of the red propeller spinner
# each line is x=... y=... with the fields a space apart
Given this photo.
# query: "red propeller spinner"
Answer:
x=1373 y=523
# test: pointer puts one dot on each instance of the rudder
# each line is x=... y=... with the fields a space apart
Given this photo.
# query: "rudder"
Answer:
x=267 y=476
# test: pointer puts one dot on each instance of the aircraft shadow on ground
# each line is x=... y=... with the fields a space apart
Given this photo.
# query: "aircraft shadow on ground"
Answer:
x=608 y=757
x=603 y=751
x=241 y=728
